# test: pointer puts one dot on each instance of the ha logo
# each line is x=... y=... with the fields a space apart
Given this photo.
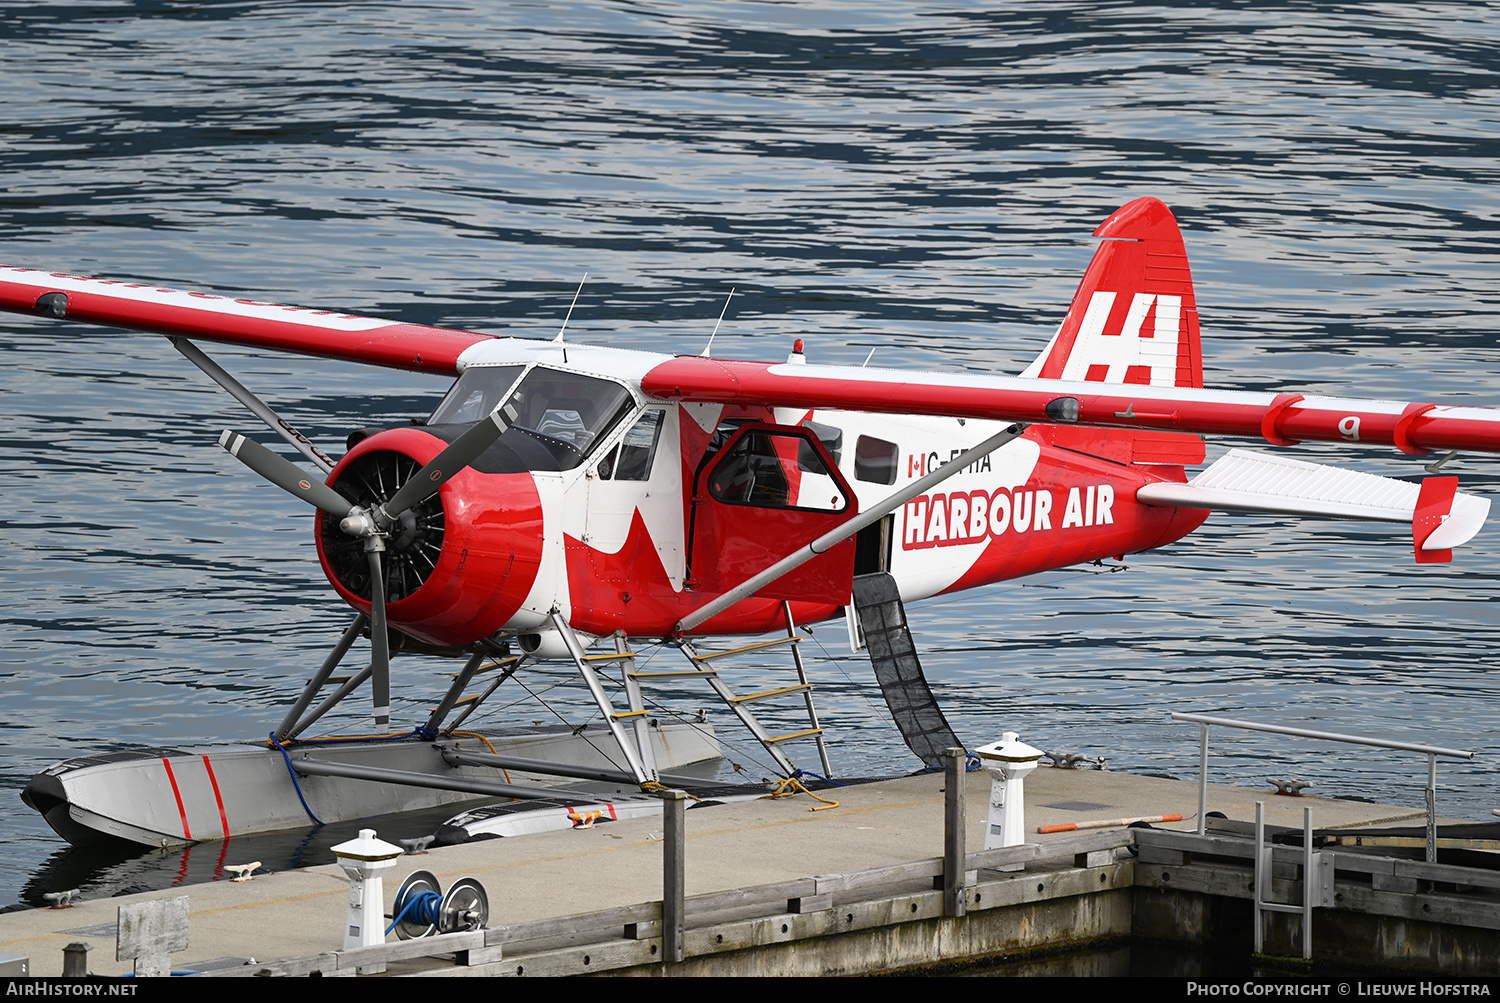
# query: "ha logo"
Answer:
x=1127 y=354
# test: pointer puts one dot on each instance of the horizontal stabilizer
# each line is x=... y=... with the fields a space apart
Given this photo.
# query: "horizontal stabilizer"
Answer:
x=1246 y=481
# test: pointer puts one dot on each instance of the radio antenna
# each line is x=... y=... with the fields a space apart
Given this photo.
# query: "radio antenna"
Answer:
x=569 y=316
x=722 y=312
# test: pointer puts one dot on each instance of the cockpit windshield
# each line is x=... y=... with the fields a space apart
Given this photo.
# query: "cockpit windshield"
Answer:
x=568 y=410
x=559 y=416
x=478 y=391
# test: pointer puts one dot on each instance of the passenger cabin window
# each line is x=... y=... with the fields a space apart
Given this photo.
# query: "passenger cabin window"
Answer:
x=773 y=470
x=831 y=437
x=875 y=460
x=631 y=459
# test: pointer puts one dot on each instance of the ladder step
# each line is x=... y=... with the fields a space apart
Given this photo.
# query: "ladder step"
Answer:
x=498 y=663
x=772 y=693
x=794 y=639
x=628 y=713
x=797 y=734
x=613 y=657
x=696 y=673
x=461 y=701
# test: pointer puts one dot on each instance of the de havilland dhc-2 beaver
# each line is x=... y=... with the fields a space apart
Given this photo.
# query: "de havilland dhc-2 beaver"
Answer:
x=562 y=495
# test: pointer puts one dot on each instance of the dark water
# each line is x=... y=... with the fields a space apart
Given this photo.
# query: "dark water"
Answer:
x=920 y=180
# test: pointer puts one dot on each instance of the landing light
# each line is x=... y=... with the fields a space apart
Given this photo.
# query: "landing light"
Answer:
x=1063 y=409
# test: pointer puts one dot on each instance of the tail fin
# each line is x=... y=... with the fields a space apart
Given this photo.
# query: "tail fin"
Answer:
x=1134 y=318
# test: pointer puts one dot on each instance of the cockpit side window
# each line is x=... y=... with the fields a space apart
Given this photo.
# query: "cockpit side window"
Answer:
x=876 y=460
x=769 y=469
x=631 y=459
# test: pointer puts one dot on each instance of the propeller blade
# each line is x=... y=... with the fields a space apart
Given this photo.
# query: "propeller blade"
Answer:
x=458 y=455
x=285 y=474
x=380 y=644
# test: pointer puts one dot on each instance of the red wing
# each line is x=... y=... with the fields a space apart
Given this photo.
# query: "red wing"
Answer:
x=205 y=317
x=1280 y=419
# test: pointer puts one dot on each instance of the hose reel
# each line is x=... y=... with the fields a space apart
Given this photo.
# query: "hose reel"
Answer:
x=422 y=910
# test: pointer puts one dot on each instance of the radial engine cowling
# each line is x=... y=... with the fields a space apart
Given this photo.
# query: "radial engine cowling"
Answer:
x=458 y=565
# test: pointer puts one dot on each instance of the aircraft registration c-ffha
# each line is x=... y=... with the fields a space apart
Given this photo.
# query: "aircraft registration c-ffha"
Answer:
x=561 y=493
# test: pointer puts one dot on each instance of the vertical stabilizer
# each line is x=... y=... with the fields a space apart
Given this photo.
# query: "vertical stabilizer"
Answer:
x=1134 y=318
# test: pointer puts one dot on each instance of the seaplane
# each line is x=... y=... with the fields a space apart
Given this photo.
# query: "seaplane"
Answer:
x=572 y=502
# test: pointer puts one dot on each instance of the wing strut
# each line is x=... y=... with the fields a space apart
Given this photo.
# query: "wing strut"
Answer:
x=847 y=529
x=258 y=407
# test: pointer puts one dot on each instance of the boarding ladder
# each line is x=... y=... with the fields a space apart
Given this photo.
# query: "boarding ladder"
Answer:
x=881 y=618
x=1317 y=881
x=636 y=742
x=705 y=666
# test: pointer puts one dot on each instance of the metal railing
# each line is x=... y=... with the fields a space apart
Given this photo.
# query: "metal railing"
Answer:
x=1430 y=751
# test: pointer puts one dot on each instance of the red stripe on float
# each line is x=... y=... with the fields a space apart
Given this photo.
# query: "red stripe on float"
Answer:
x=181 y=812
x=218 y=798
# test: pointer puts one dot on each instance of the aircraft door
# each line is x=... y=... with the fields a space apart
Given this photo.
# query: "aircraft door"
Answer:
x=769 y=491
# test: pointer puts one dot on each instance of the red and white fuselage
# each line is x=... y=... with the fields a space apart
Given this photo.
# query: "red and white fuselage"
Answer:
x=628 y=554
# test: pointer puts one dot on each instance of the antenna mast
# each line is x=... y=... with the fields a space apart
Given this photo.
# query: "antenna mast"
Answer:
x=571 y=305
x=722 y=312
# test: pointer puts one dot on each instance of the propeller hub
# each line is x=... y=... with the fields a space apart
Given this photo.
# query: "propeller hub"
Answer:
x=359 y=523
x=412 y=541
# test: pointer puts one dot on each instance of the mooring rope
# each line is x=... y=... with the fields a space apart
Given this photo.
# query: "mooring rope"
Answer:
x=475 y=734
x=654 y=787
x=788 y=786
x=271 y=738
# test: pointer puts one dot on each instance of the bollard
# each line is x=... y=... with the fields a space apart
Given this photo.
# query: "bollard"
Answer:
x=955 y=857
x=673 y=861
x=416 y=844
x=62 y=900
x=242 y=872
x=365 y=860
x=1008 y=761
x=76 y=960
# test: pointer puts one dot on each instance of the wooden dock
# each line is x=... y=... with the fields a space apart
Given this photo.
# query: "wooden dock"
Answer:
x=778 y=888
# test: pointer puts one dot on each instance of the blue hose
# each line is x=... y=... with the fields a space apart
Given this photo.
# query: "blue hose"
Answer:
x=425 y=907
